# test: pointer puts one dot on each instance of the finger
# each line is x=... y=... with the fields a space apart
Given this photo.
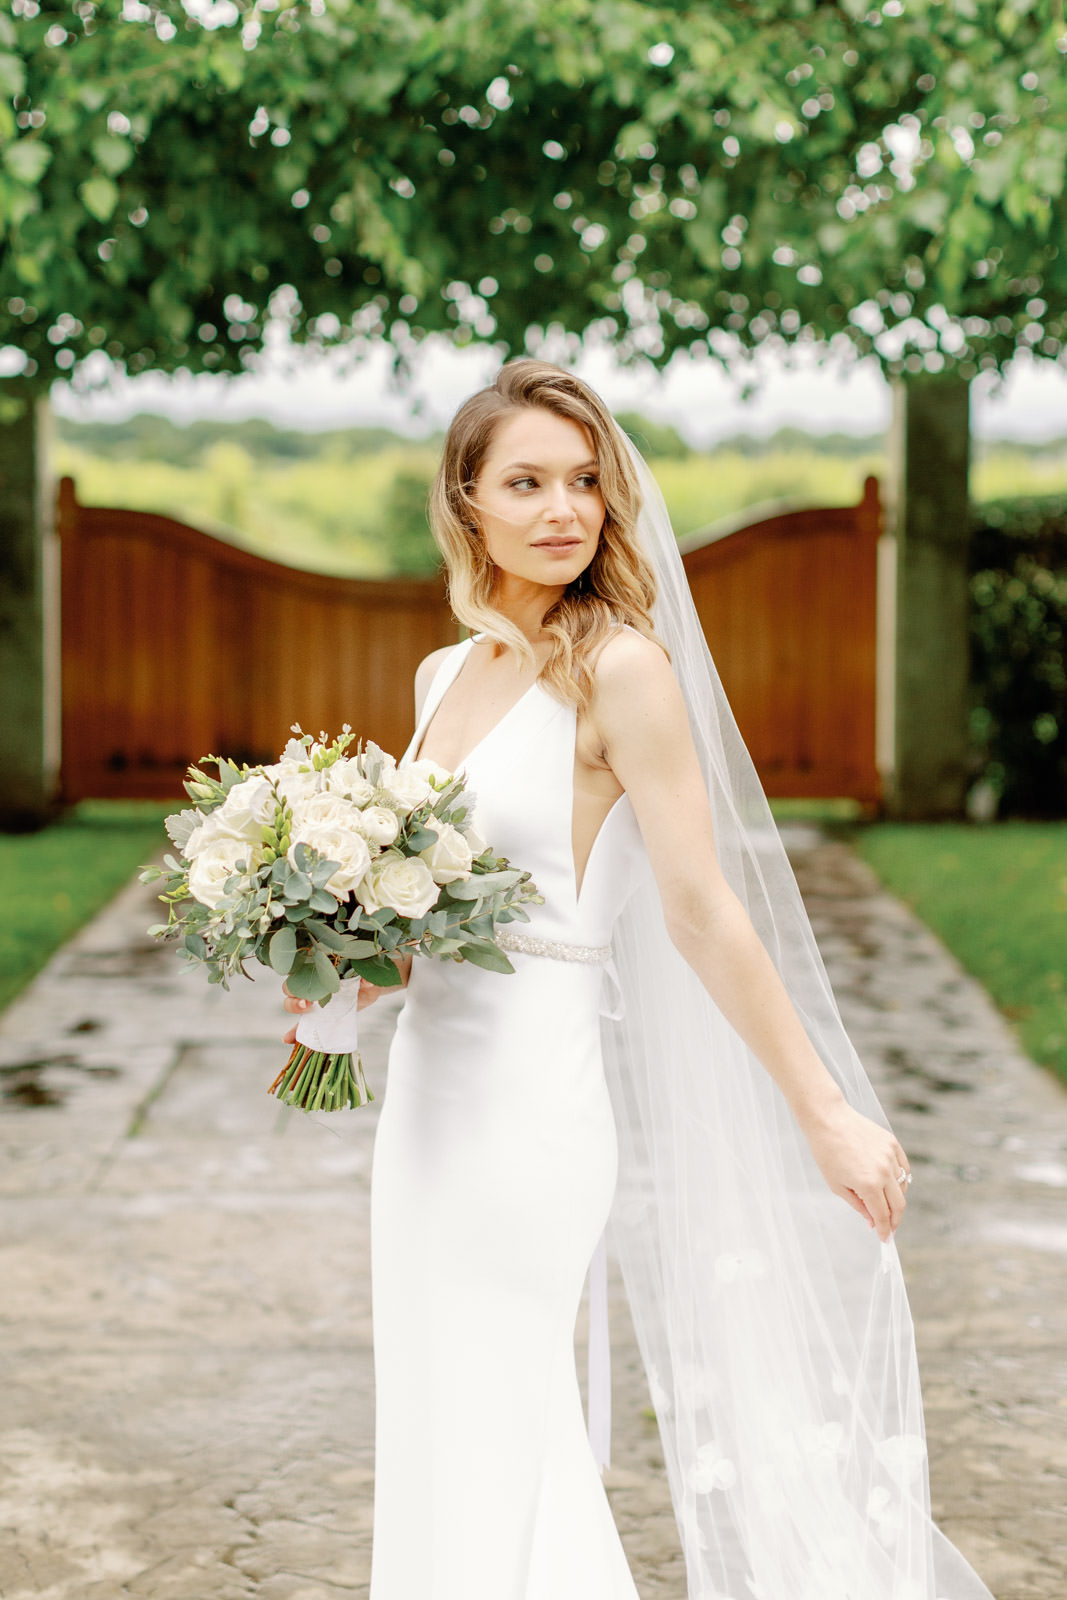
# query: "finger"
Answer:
x=857 y=1205
x=896 y=1201
x=878 y=1206
x=290 y=1037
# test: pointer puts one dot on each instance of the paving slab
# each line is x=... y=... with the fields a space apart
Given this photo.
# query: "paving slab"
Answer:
x=185 y=1334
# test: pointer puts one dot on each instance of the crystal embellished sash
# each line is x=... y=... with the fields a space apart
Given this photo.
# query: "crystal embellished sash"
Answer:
x=528 y=945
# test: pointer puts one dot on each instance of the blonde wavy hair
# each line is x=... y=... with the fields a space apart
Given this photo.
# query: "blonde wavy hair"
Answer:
x=617 y=586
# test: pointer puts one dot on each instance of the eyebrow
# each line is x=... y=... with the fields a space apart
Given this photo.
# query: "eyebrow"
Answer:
x=537 y=467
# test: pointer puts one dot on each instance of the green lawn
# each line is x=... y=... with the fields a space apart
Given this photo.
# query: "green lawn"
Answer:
x=997 y=896
x=56 y=879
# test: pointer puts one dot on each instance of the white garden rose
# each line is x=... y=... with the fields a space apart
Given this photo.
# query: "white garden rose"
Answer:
x=338 y=843
x=378 y=824
x=430 y=770
x=324 y=811
x=449 y=857
x=247 y=806
x=344 y=777
x=294 y=785
x=216 y=862
x=403 y=882
x=474 y=839
x=214 y=828
x=405 y=787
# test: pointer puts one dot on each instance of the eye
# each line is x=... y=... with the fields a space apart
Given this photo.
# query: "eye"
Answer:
x=589 y=479
x=518 y=483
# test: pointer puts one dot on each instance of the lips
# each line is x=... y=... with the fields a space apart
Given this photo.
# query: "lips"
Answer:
x=556 y=544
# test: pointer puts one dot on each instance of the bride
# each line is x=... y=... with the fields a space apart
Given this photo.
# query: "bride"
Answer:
x=667 y=1061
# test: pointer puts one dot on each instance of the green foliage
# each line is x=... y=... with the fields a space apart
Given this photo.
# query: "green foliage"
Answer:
x=58 y=878
x=1018 y=585
x=407 y=536
x=997 y=896
x=657 y=439
x=767 y=171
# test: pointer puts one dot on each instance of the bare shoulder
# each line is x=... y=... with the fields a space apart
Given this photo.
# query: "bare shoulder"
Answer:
x=633 y=671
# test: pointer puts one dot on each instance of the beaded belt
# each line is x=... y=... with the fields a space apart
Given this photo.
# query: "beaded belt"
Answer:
x=524 y=942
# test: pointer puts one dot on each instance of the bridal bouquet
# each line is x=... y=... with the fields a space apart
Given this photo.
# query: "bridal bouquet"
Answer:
x=328 y=868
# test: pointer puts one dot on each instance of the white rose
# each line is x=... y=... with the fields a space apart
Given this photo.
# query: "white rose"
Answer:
x=378 y=824
x=450 y=856
x=474 y=839
x=406 y=787
x=430 y=770
x=211 y=831
x=214 y=864
x=294 y=785
x=340 y=844
x=247 y=806
x=344 y=777
x=324 y=811
x=403 y=882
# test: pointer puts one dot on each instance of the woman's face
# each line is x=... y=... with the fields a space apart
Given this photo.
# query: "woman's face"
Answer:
x=538 y=497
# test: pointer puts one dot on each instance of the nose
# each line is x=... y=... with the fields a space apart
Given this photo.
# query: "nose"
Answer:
x=559 y=508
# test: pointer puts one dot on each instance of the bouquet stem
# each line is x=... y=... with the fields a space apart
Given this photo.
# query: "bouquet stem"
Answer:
x=315 y=1080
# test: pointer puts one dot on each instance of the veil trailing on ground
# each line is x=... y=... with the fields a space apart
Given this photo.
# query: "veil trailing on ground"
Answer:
x=773 y=1323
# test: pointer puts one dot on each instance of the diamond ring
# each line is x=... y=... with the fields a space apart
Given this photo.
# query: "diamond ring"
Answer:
x=904 y=1176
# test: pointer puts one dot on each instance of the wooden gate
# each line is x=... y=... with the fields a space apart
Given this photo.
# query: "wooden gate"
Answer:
x=788 y=607
x=176 y=645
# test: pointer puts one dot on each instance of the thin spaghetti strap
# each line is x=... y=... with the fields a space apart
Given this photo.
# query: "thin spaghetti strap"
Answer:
x=440 y=681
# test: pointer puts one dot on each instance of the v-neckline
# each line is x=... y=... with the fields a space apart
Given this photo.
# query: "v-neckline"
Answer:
x=434 y=706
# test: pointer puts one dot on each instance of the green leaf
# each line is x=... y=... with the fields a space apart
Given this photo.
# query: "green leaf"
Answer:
x=488 y=956
x=326 y=970
x=27 y=158
x=326 y=933
x=283 y=949
x=298 y=886
x=305 y=982
x=421 y=838
x=322 y=900
x=112 y=154
x=381 y=971
x=99 y=196
x=298 y=913
x=12 y=75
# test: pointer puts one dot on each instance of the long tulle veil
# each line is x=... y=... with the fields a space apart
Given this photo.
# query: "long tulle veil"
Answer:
x=773 y=1323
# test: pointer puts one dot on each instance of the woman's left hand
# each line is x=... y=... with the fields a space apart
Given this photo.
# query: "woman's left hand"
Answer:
x=861 y=1161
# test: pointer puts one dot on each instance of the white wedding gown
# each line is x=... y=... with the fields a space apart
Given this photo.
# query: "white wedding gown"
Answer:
x=494 y=1169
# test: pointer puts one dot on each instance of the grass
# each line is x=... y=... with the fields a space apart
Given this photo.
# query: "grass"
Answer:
x=997 y=896
x=55 y=880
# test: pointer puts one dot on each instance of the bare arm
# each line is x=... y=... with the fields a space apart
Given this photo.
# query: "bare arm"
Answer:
x=640 y=716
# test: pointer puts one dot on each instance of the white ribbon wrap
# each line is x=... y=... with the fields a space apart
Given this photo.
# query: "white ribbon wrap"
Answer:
x=334 y=1027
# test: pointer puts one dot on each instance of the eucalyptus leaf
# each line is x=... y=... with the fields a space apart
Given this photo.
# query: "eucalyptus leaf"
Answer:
x=283 y=949
x=327 y=972
x=488 y=956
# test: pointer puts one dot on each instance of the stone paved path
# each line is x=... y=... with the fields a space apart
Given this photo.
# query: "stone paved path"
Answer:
x=186 y=1405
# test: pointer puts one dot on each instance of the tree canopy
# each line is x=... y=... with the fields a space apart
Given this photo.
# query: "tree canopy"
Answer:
x=673 y=177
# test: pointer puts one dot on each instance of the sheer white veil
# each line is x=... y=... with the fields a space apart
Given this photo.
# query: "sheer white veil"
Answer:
x=773 y=1324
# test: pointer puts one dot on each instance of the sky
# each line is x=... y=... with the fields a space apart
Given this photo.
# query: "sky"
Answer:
x=295 y=387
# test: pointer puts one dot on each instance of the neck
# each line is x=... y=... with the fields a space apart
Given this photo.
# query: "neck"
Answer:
x=524 y=603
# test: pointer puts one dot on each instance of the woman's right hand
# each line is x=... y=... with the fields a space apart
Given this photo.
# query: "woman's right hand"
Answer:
x=368 y=993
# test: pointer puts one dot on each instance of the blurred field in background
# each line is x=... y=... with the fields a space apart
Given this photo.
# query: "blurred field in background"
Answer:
x=351 y=501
